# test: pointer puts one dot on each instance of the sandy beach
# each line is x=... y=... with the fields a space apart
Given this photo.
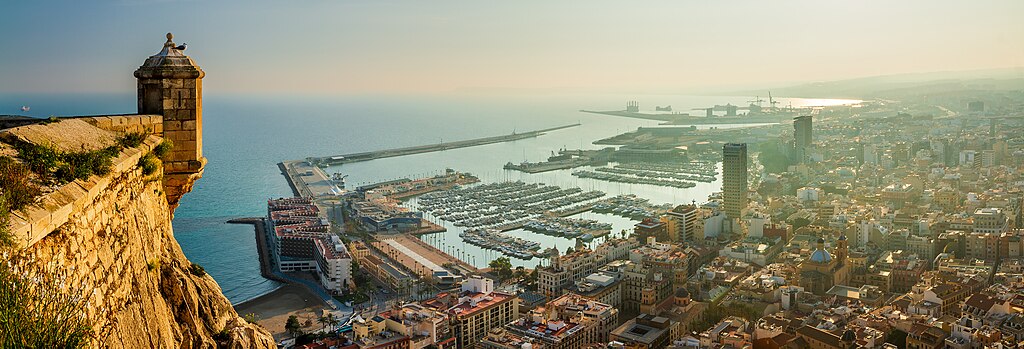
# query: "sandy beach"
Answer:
x=273 y=309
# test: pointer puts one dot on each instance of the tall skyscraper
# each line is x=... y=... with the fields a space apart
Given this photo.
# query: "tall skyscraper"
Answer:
x=802 y=129
x=734 y=179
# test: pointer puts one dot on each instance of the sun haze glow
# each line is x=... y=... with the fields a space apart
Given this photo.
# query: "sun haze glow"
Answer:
x=412 y=47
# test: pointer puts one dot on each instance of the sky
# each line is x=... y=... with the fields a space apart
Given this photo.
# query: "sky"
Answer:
x=382 y=46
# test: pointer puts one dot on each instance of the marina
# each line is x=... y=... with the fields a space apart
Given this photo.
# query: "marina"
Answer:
x=584 y=229
x=494 y=239
x=612 y=177
x=631 y=206
x=502 y=206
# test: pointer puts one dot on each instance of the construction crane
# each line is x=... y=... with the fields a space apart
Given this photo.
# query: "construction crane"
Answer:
x=771 y=102
x=756 y=100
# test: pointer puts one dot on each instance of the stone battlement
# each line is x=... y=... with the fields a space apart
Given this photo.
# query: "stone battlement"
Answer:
x=52 y=210
x=151 y=124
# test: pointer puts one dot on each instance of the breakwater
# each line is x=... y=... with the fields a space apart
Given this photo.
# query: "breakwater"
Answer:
x=387 y=153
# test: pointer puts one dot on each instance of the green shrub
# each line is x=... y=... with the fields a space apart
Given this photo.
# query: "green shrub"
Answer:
x=5 y=216
x=161 y=150
x=38 y=310
x=153 y=264
x=41 y=159
x=16 y=187
x=81 y=165
x=251 y=318
x=52 y=165
x=221 y=336
x=132 y=139
x=149 y=164
x=197 y=270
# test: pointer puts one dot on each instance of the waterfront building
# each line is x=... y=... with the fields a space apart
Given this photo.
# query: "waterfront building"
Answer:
x=684 y=223
x=377 y=212
x=556 y=277
x=300 y=241
x=380 y=267
x=613 y=249
x=415 y=262
x=649 y=227
x=479 y=309
x=734 y=179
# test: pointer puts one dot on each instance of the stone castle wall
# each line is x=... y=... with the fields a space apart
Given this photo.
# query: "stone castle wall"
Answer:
x=112 y=235
x=151 y=124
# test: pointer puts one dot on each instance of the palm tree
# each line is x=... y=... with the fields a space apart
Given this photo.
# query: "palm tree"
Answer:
x=424 y=287
x=334 y=321
x=323 y=322
x=331 y=320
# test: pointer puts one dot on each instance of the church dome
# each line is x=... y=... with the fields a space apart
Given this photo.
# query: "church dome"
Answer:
x=821 y=256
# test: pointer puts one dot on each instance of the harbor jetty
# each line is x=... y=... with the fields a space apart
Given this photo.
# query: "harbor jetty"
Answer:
x=387 y=153
x=266 y=266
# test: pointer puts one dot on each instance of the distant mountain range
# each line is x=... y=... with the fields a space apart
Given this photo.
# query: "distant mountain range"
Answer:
x=901 y=84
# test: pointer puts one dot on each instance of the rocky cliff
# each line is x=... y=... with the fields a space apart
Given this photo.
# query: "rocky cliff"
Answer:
x=112 y=236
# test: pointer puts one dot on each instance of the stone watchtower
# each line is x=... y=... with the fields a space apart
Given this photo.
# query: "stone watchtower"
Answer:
x=171 y=85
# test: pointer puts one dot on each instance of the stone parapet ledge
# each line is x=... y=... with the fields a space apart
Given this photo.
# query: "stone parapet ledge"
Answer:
x=36 y=221
x=151 y=124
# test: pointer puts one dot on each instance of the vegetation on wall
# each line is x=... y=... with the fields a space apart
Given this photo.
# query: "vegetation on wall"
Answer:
x=53 y=166
x=131 y=139
x=16 y=191
x=39 y=309
x=149 y=164
x=197 y=270
x=161 y=150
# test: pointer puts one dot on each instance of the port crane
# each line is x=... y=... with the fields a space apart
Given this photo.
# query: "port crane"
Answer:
x=757 y=100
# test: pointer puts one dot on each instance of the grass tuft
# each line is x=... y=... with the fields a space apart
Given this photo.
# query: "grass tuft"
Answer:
x=131 y=139
x=149 y=164
x=163 y=149
x=40 y=309
x=197 y=270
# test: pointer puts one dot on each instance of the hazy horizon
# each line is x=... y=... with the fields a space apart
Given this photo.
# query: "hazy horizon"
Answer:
x=384 y=47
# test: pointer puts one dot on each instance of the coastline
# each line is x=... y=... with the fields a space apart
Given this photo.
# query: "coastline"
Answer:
x=257 y=298
x=272 y=309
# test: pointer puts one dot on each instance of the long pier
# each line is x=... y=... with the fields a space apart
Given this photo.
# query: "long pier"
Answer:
x=380 y=154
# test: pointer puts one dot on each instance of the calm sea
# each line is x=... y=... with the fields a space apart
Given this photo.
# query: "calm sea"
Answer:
x=246 y=136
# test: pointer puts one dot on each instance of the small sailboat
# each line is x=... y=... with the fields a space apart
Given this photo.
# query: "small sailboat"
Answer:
x=25 y=108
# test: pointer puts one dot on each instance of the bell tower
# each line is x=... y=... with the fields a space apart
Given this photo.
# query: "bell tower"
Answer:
x=170 y=84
